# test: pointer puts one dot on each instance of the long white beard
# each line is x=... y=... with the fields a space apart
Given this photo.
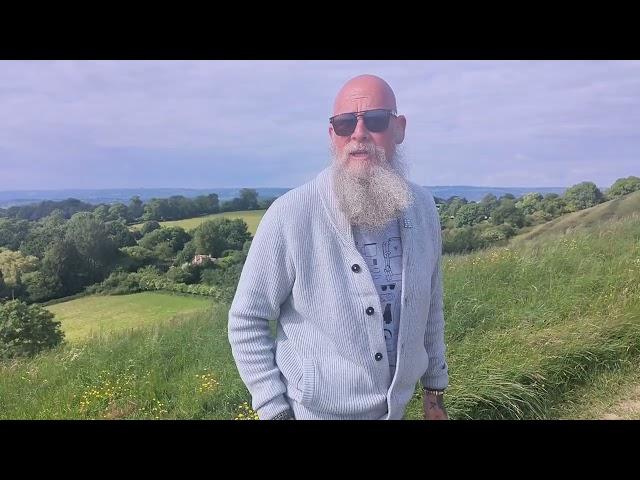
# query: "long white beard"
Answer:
x=370 y=193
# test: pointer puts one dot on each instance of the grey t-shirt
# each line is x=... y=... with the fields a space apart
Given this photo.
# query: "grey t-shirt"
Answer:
x=382 y=251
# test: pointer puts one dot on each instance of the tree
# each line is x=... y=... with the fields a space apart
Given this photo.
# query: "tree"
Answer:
x=553 y=204
x=215 y=236
x=26 y=330
x=249 y=197
x=3 y=287
x=45 y=231
x=62 y=263
x=469 y=214
x=149 y=226
x=186 y=254
x=137 y=257
x=233 y=205
x=136 y=207
x=13 y=232
x=453 y=204
x=489 y=202
x=120 y=234
x=188 y=274
x=97 y=251
x=265 y=203
x=37 y=211
x=175 y=237
x=530 y=203
x=119 y=211
x=507 y=213
x=13 y=265
x=624 y=186
x=40 y=287
x=157 y=209
x=102 y=212
x=583 y=195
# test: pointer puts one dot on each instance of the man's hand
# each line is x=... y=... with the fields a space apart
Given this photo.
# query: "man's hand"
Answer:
x=434 y=407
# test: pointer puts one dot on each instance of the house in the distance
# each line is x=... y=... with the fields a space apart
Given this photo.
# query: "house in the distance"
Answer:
x=200 y=259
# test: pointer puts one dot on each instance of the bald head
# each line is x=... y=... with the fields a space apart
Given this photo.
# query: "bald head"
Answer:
x=364 y=92
x=368 y=174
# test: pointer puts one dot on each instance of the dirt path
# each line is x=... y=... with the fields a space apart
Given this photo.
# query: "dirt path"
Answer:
x=627 y=409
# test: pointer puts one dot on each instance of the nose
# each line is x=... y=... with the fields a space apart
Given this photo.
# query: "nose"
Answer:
x=360 y=134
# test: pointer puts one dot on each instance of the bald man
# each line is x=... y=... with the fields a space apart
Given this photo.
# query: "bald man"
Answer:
x=348 y=267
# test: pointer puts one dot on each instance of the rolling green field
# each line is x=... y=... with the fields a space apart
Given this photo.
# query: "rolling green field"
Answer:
x=548 y=328
x=96 y=314
x=251 y=217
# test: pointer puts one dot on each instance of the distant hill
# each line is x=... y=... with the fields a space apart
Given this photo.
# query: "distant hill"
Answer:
x=113 y=195
x=25 y=197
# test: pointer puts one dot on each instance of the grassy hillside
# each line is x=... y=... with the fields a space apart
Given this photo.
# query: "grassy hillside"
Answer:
x=584 y=219
x=541 y=329
x=251 y=217
x=93 y=315
x=528 y=326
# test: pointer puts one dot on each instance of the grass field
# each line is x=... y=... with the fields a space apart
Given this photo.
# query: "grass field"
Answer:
x=548 y=328
x=251 y=217
x=95 y=315
x=179 y=370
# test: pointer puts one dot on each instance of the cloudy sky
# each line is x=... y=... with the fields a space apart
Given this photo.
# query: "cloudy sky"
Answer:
x=119 y=124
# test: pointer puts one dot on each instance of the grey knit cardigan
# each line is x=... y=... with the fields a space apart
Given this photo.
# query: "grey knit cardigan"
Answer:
x=328 y=358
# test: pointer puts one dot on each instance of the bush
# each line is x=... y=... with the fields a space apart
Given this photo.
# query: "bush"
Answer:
x=461 y=240
x=148 y=227
x=624 y=186
x=26 y=330
x=41 y=287
x=118 y=283
x=184 y=274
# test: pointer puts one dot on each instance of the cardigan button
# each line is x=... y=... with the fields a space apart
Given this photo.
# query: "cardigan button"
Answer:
x=370 y=311
x=355 y=267
x=378 y=356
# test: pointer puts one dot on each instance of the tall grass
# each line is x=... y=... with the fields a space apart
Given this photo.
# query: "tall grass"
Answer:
x=528 y=328
x=526 y=325
x=179 y=369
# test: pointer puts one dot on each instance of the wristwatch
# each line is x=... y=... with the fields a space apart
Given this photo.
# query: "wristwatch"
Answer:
x=286 y=415
x=433 y=391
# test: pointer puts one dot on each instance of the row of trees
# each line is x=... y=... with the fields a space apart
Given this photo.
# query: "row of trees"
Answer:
x=176 y=207
x=471 y=225
x=56 y=257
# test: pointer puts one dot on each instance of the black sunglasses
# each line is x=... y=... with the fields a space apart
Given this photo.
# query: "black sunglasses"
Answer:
x=376 y=121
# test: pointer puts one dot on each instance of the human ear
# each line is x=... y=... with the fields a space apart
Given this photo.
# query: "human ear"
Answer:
x=399 y=128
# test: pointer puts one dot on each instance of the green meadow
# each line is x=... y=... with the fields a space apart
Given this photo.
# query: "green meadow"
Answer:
x=99 y=315
x=251 y=217
x=545 y=327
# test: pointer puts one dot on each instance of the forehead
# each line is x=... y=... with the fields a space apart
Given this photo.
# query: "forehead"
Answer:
x=358 y=98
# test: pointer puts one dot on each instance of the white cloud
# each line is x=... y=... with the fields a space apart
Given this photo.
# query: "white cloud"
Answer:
x=465 y=119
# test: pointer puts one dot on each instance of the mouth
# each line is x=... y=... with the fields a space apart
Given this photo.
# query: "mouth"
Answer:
x=359 y=154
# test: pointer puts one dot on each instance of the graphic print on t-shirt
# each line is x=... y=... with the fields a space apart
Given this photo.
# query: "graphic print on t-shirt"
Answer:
x=383 y=253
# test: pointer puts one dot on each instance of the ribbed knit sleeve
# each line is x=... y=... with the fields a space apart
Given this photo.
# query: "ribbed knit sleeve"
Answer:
x=437 y=375
x=266 y=281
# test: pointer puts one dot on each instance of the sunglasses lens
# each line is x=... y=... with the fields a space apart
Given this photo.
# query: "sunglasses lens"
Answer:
x=344 y=124
x=376 y=120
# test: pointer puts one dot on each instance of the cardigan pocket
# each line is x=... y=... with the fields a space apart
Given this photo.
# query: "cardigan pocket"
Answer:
x=308 y=381
x=303 y=389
